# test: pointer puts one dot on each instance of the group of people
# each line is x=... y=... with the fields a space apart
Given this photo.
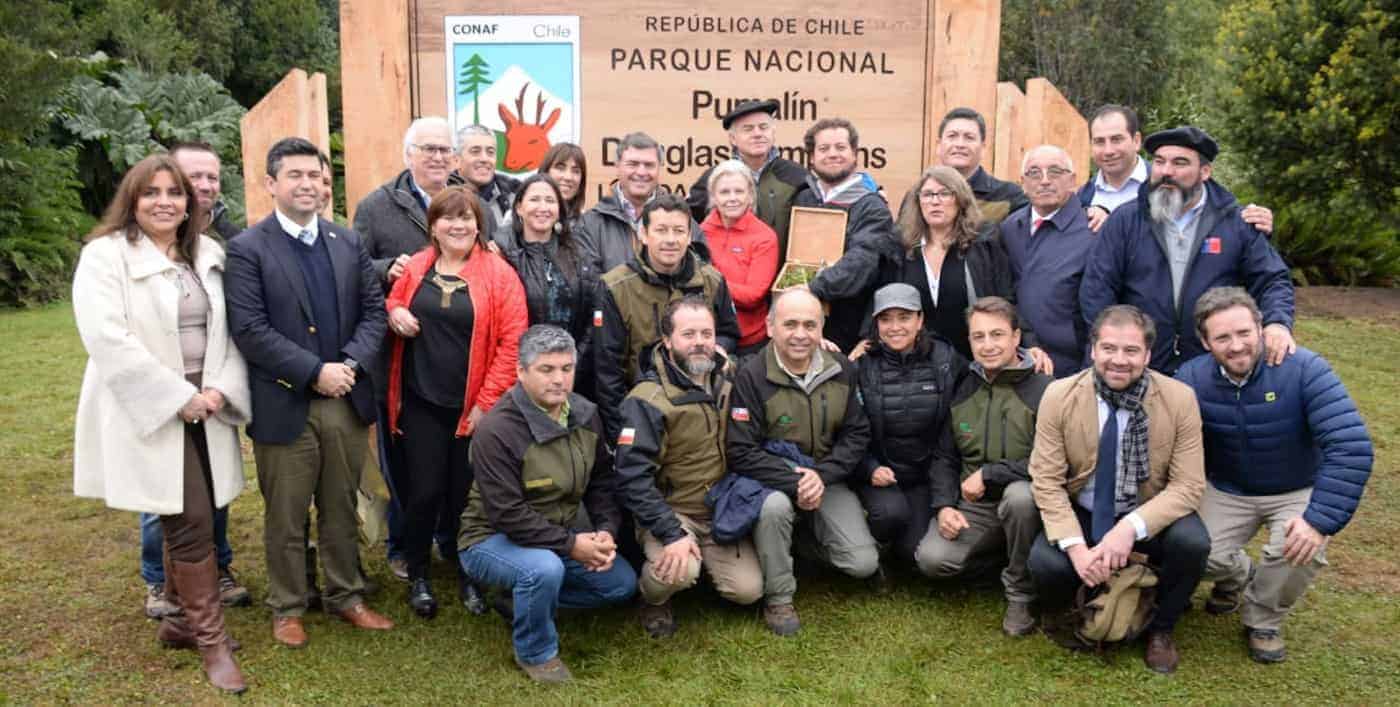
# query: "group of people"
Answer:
x=582 y=408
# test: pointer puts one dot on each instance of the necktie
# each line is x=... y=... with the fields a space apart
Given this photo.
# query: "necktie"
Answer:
x=1105 y=478
x=307 y=237
x=1035 y=227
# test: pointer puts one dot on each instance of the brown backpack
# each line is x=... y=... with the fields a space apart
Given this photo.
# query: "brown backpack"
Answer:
x=1119 y=609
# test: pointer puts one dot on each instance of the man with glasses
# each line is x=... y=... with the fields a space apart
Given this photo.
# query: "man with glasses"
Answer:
x=1047 y=245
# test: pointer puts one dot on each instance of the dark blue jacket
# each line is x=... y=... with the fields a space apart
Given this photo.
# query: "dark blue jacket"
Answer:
x=1129 y=266
x=1086 y=192
x=271 y=321
x=1047 y=269
x=1289 y=427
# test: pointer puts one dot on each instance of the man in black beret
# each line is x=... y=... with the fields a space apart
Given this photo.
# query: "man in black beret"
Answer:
x=1182 y=236
x=752 y=126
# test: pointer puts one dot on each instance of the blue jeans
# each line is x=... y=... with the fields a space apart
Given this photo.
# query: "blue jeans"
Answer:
x=542 y=581
x=153 y=544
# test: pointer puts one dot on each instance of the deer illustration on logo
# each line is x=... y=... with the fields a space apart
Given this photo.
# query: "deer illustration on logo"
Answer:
x=526 y=143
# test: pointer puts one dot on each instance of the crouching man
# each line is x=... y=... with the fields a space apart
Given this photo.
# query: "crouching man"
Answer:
x=796 y=426
x=537 y=454
x=1285 y=447
x=669 y=453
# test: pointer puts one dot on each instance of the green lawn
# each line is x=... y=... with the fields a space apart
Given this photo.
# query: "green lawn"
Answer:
x=71 y=627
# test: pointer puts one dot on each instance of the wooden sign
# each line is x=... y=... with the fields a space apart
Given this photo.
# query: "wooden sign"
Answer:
x=817 y=239
x=296 y=106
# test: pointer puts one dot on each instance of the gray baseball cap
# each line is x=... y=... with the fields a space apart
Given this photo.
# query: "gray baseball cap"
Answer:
x=897 y=296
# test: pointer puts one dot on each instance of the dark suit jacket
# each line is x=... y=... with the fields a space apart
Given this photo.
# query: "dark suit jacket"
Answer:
x=270 y=319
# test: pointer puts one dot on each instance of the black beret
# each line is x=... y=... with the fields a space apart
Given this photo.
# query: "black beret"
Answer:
x=769 y=106
x=1185 y=136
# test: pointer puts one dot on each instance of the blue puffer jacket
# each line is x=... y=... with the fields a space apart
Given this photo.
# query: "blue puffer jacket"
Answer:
x=1289 y=427
x=1129 y=266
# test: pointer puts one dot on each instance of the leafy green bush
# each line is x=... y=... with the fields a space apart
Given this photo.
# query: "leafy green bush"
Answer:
x=1312 y=108
x=39 y=236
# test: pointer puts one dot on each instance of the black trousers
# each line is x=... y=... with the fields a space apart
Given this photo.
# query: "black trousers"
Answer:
x=1178 y=553
x=898 y=515
x=431 y=476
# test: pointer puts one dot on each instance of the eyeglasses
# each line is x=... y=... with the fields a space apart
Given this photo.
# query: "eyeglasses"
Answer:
x=435 y=150
x=1035 y=174
x=936 y=196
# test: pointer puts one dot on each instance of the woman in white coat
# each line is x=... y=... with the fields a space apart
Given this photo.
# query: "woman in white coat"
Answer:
x=164 y=390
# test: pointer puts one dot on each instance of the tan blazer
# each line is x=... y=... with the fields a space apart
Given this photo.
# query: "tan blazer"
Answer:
x=1067 y=448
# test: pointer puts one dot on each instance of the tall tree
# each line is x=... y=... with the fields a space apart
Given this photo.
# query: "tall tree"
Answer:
x=474 y=74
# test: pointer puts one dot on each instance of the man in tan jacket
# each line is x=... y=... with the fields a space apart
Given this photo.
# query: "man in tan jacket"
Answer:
x=1146 y=428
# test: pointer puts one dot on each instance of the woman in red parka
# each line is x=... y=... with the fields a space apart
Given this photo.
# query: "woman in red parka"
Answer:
x=455 y=320
x=743 y=248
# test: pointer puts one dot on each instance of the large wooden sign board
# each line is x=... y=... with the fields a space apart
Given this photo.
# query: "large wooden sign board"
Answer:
x=537 y=72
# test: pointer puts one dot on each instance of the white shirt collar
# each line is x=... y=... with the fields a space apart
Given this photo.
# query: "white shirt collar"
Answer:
x=1036 y=216
x=1190 y=214
x=293 y=229
x=1138 y=176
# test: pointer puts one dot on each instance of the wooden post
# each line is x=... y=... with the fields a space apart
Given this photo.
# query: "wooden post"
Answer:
x=1052 y=120
x=962 y=64
x=295 y=107
x=1007 y=146
x=374 y=75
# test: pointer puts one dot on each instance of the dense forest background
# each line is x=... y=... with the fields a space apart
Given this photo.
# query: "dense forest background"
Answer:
x=1304 y=97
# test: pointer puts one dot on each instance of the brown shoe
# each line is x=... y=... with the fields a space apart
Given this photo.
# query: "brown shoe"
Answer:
x=361 y=616
x=288 y=631
x=552 y=671
x=782 y=619
x=1161 y=654
x=657 y=620
x=198 y=584
x=1265 y=645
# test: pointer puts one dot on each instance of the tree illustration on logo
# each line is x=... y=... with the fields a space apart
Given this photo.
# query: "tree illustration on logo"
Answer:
x=474 y=76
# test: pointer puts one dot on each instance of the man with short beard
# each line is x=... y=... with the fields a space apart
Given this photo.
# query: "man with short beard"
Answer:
x=1182 y=236
x=670 y=452
x=1285 y=447
x=848 y=284
x=752 y=139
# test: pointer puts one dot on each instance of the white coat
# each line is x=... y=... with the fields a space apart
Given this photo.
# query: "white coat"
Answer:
x=129 y=441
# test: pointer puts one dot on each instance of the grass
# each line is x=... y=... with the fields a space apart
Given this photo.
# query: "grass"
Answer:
x=71 y=628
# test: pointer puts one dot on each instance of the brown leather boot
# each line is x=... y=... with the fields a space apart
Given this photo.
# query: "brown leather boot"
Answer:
x=175 y=632
x=198 y=584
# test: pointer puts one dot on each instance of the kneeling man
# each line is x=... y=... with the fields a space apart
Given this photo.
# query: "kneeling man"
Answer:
x=537 y=454
x=669 y=453
x=984 y=501
x=1116 y=467
x=796 y=426
x=1285 y=447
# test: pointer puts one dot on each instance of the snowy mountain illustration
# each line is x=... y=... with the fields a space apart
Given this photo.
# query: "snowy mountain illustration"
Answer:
x=505 y=91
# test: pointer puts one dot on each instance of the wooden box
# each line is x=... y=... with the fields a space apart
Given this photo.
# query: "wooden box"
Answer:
x=816 y=239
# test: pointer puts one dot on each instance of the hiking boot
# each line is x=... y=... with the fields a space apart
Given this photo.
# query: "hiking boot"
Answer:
x=1265 y=645
x=552 y=671
x=879 y=583
x=231 y=593
x=782 y=619
x=399 y=568
x=1018 y=620
x=657 y=619
x=158 y=606
x=1227 y=601
x=1161 y=655
x=470 y=596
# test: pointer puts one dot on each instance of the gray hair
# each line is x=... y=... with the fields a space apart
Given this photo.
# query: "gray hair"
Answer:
x=1056 y=149
x=639 y=141
x=410 y=136
x=1218 y=299
x=543 y=339
x=473 y=131
x=725 y=169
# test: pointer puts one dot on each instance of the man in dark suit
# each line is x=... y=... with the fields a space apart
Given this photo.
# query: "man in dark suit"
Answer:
x=305 y=308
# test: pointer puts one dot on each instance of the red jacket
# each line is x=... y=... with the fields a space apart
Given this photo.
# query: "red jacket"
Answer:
x=498 y=303
x=747 y=255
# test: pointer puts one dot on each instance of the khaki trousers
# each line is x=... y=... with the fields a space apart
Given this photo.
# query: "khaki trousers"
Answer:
x=323 y=465
x=733 y=568
x=1010 y=522
x=836 y=534
x=1232 y=522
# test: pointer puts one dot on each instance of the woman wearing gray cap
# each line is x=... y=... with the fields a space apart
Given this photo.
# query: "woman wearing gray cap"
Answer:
x=907 y=377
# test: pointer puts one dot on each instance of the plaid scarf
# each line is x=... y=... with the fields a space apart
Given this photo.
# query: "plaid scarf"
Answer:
x=1134 y=440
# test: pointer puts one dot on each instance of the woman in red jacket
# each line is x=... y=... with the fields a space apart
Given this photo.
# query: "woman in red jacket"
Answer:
x=743 y=248
x=455 y=320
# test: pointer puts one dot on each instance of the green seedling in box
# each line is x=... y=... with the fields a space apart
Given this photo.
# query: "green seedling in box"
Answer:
x=795 y=275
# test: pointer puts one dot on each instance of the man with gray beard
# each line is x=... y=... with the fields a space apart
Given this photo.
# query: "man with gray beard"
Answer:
x=669 y=453
x=1182 y=236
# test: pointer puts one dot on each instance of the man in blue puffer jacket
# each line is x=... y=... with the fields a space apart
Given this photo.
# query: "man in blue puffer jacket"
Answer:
x=1284 y=445
x=1182 y=236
